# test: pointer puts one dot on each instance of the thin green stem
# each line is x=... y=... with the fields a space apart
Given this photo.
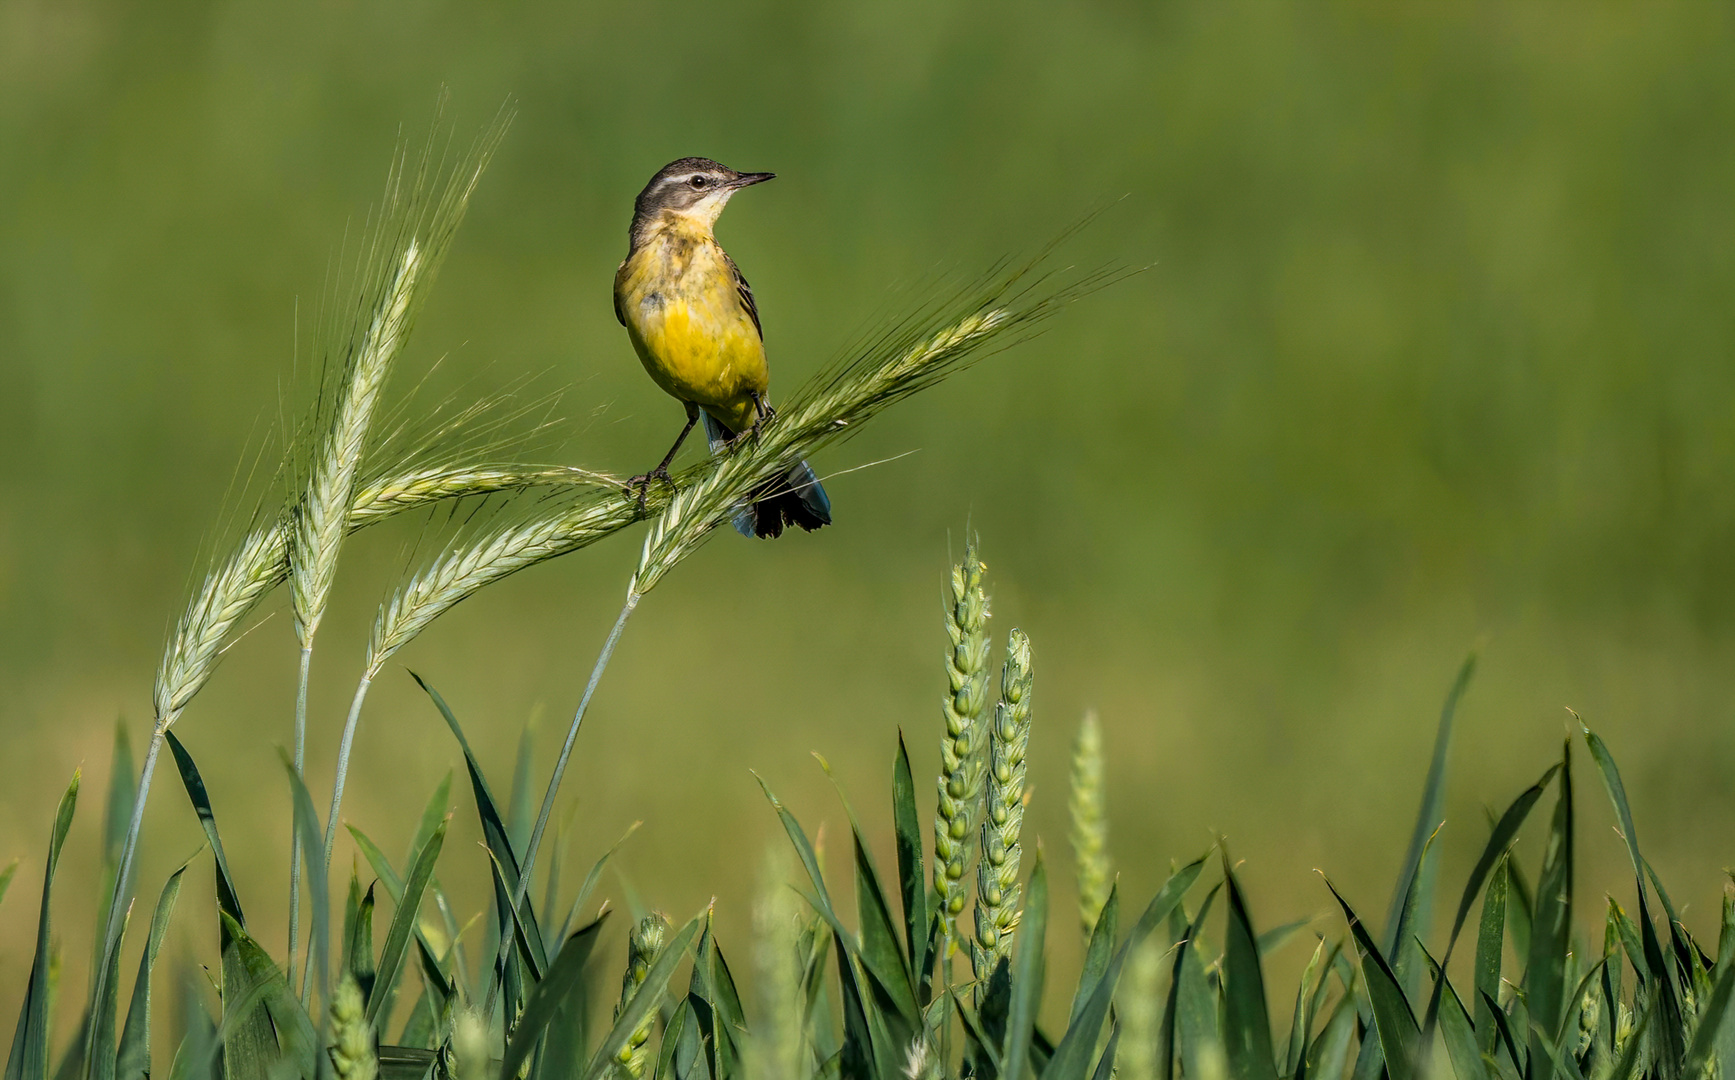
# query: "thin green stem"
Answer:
x=118 y=903
x=294 y=824
x=542 y=815
x=349 y=726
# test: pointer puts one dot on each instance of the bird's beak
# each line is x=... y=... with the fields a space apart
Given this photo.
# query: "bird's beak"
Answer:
x=749 y=179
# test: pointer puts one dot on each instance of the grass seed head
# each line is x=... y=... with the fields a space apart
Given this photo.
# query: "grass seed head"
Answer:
x=352 y=1041
x=997 y=888
x=1089 y=811
x=644 y=945
x=961 y=758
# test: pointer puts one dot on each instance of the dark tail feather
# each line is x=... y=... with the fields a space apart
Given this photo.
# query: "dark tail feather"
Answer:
x=795 y=498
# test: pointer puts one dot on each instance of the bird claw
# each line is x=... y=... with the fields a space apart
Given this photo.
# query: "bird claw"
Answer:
x=642 y=484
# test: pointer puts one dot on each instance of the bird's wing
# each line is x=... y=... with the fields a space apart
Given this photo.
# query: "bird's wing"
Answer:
x=619 y=317
x=744 y=292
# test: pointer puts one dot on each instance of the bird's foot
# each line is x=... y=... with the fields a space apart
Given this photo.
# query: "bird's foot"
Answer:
x=641 y=484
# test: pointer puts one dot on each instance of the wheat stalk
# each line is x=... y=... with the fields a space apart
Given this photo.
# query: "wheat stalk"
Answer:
x=644 y=945
x=997 y=889
x=961 y=761
x=1089 y=810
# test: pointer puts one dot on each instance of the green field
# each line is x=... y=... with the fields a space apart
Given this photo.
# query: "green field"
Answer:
x=1428 y=353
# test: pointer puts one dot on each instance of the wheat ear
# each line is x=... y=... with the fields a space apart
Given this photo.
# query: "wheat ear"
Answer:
x=997 y=888
x=1089 y=810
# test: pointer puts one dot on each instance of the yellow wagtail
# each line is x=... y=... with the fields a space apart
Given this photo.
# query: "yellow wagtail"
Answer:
x=693 y=322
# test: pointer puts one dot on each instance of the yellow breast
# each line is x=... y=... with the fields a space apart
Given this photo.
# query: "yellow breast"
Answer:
x=677 y=296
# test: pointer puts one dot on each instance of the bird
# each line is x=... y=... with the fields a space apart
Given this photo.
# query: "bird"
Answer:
x=694 y=323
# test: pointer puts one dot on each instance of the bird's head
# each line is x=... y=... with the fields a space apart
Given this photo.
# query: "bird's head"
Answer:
x=693 y=188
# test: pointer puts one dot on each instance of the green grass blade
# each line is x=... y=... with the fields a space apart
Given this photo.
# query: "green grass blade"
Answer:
x=1098 y=951
x=1551 y=921
x=1514 y=1052
x=1246 y=1023
x=117 y=815
x=1654 y=971
x=1393 y=1020
x=28 y=1059
x=648 y=997
x=266 y=989
x=1712 y=1017
x=1198 y=1032
x=133 y=1057
x=912 y=870
x=100 y=1060
x=498 y=840
x=319 y=889
x=1490 y=950
x=436 y=812
x=590 y=879
x=1505 y=831
x=521 y=809
x=1105 y=1064
x=1027 y=974
x=227 y=899
x=529 y=947
x=6 y=876
x=1329 y=1054
x=1072 y=1057
x=565 y=976
x=1428 y=816
x=1301 y=1022
x=404 y=920
x=1278 y=936
x=360 y=961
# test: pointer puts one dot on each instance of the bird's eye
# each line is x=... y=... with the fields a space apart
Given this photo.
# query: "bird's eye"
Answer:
x=698 y=181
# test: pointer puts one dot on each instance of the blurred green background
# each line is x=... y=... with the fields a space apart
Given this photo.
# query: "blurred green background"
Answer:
x=1434 y=347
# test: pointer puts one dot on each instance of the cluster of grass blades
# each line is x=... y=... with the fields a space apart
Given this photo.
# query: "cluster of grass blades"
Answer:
x=900 y=991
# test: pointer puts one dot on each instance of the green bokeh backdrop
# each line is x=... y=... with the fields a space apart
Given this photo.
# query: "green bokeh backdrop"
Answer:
x=1434 y=346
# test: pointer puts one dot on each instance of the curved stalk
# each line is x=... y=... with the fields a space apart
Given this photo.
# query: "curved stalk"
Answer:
x=529 y=865
x=295 y=825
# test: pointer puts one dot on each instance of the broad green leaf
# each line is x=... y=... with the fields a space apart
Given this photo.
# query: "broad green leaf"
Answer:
x=1395 y=1023
x=521 y=810
x=1198 y=1009
x=1490 y=950
x=1278 y=936
x=646 y=999
x=593 y=877
x=1713 y=1017
x=912 y=870
x=1246 y=1023
x=1028 y=973
x=1329 y=1053
x=1105 y=1064
x=564 y=977
x=263 y=985
x=1098 y=951
x=1428 y=818
x=1514 y=1053
x=1505 y=831
x=1551 y=920
x=404 y=920
x=529 y=947
x=1654 y=972
x=1072 y=1057
x=133 y=1058
x=360 y=962
x=1301 y=1021
x=497 y=838
x=319 y=890
x=28 y=1059
x=227 y=899
x=6 y=876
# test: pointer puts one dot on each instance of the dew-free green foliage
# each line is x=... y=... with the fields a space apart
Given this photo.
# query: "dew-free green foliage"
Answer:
x=1181 y=988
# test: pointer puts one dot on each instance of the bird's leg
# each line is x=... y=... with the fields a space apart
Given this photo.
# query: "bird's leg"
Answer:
x=762 y=411
x=661 y=472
